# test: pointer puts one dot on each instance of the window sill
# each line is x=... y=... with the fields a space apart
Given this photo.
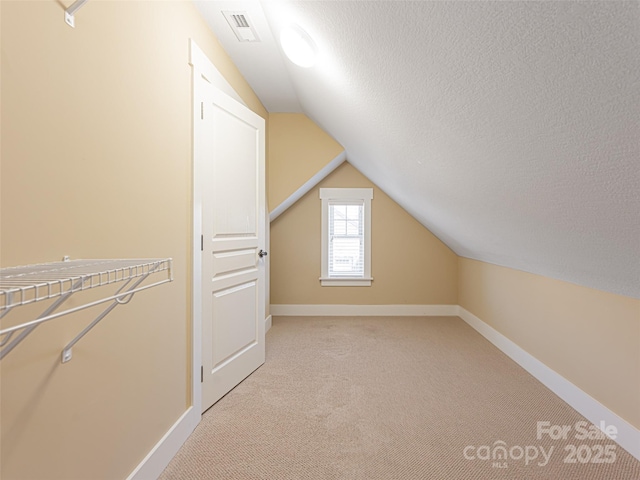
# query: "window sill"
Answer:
x=346 y=282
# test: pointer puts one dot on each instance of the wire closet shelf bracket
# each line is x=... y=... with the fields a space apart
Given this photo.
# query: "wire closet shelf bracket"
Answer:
x=60 y=280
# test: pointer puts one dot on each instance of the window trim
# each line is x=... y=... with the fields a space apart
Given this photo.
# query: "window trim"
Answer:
x=336 y=195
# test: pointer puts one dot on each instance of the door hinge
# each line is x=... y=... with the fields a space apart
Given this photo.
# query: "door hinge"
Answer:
x=201 y=374
x=202 y=243
x=201 y=110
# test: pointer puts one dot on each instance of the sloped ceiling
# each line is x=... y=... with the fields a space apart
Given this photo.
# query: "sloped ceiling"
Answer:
x=510 y=129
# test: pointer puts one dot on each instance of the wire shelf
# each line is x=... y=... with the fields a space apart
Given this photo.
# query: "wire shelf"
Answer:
x=59 y=280
x=34 y=283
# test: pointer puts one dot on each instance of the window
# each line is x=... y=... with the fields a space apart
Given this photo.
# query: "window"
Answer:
x=346 y=236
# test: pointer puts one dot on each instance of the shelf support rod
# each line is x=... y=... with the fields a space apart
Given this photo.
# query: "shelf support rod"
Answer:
x=52 y=308
x=8 y=309
x=67 y=353
x=118 y=299
x=70 y=12
x=6 y=338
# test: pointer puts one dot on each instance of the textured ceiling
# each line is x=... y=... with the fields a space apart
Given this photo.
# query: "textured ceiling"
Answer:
x=510 y=129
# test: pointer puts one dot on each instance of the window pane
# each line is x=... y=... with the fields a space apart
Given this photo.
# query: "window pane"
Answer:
x=345 y=257
x=353 y=227
x=339 y=227
x=353 y=212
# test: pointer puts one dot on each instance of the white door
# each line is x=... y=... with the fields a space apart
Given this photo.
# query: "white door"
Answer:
x=232 y=155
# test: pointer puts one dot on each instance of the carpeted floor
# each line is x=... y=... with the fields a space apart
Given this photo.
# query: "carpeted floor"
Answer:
x=391 y=398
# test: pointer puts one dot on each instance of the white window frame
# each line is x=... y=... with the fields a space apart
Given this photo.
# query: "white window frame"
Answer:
x=337 y=195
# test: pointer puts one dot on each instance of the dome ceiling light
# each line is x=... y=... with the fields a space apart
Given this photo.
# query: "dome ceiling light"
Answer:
x=298 y=46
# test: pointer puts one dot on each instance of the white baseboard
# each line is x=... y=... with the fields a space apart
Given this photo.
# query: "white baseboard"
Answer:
x=628 y=436
x=267 y=324
x=161 y=454
x=363 y=310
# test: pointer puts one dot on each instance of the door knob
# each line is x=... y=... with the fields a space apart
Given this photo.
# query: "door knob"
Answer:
x=262 y=253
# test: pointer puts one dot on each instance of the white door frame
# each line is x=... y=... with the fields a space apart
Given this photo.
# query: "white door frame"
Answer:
x=203 y=70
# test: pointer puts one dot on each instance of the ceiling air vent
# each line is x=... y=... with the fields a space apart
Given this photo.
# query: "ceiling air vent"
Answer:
x=241 y=25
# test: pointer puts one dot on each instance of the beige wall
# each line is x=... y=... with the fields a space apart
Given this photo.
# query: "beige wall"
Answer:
x=409 y=264
x=590 y=337
x=298 y=149
x=96 y=163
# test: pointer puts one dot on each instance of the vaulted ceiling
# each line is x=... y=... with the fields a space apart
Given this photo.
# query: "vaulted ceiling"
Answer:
x=510 y=129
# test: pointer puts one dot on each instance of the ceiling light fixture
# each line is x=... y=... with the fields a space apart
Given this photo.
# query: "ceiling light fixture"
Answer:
x=298 y=46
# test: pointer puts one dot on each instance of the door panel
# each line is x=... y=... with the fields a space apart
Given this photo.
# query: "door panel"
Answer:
x=235 y=176
x=234 y=261
x=234 y=328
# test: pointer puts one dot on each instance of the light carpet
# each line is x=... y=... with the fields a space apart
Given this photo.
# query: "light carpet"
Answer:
x=391 y=398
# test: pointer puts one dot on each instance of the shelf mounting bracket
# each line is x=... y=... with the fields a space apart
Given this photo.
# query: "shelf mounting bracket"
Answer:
x=71 y=11
x=118 y=299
